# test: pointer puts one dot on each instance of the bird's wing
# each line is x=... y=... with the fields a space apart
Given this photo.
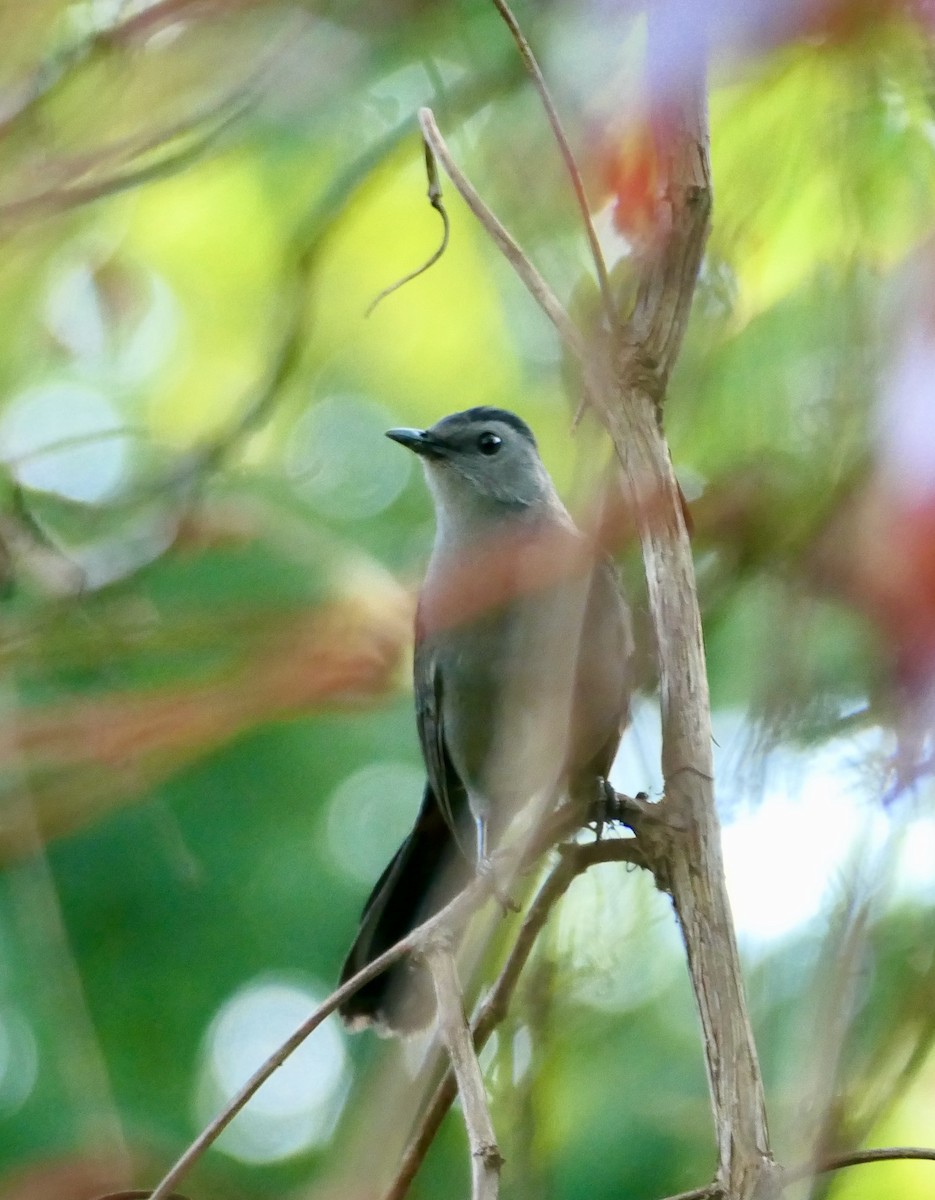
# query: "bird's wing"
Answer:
x=449 y=791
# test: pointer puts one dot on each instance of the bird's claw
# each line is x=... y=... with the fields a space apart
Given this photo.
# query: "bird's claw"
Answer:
x=611 y=807
x=605 y=809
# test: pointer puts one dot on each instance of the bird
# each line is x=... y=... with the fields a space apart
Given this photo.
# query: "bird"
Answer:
x=522 y=649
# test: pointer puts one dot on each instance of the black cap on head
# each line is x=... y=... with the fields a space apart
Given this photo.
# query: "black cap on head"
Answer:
x=486 y=412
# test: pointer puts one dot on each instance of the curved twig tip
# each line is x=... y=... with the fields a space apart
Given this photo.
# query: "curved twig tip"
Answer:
x=435 y=199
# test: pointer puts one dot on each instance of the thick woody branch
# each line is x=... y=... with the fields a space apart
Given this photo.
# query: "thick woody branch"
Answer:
x=687 y=856
x=486 y=1159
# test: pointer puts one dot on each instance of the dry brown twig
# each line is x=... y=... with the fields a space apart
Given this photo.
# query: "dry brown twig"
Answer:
x=505 y=241
x=457 y=909
x=486 y=1159
x=435 y=200
x=574 y=860
x=503 y=865
x=532 y=66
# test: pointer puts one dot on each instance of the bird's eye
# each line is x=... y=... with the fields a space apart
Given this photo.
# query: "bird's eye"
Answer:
x=488 y=443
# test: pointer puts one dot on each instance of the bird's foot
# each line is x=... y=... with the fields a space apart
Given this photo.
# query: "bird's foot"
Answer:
x=604 y=809
x=611 y=807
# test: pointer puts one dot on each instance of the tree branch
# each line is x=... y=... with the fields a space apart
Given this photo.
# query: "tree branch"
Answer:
x=859 y=1158
x=435 y=200
x=686 y=856
x=856 y=1158
x=532 y=66
x=560 y=824
x=458 y=909
x=486 y=1159
x=509 y=247
x=202 y=128
x=575 y=859
x=683 y=847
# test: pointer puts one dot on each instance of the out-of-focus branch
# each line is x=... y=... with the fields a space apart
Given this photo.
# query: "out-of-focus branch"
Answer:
x=486 y=1159
x=82 y=179
x=73 y=195
x=158 y=15
x=17 y=100
x=93 y=753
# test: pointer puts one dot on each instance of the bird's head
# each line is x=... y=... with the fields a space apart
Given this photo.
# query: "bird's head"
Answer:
x=479 y=462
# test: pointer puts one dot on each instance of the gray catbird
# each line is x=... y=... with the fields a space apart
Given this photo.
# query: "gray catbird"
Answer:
x=521 y=665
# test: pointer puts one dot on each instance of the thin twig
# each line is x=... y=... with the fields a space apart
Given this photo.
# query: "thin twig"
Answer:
x=55 y=200
x=512 y=252
x=560 y=824
x=575 y=859
x=310 y=236
x=489 y=1016
x=435 y=199
x=859 y=1158
x=462 y=905
x=137 y=1194
x=486 y=1159
x=856 y=1158
x=532 y=66
x=711 y=1192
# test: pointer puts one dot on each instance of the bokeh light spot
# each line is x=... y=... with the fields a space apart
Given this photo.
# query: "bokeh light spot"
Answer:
x=297 y=1107
x=19 y=1060
x=341 y=462
x=370 y=813
x=67 y=438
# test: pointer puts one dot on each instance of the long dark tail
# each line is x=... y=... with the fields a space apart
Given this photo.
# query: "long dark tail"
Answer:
x=425 y=873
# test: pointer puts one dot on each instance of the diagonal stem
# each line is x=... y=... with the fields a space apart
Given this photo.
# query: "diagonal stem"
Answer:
x=509 y=247
x=577 y=183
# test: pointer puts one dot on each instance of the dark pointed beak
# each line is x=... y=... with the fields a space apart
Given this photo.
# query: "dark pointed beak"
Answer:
x=419 y=441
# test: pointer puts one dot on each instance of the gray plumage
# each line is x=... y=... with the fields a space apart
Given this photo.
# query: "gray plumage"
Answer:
x=520 y=681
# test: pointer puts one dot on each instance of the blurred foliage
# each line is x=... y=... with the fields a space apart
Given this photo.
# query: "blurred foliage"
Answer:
x=208 y=552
